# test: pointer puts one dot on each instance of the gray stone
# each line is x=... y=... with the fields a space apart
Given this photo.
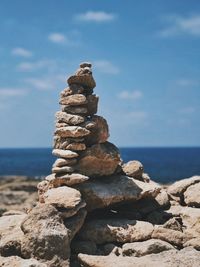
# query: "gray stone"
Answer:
x=66 y=179
x=64 y=162
x=69 y=118
x=68 y=154
x=73 y=100
x=72 y=131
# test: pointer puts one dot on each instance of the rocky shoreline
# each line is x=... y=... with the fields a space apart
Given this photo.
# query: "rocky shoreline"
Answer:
x=94 y=210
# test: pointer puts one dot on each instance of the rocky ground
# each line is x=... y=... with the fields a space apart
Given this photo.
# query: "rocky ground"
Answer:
x=128 y=223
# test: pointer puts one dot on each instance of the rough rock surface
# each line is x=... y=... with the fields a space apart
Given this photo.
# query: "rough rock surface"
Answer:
x=69 y=118
x=73 y=100
x=99 y=160
x=72 y=131
x=134 y=169
x=111 y=190
x=192 y=195
x=66 y=179
x=115 y=230
x=68 y=154
x=15 y=261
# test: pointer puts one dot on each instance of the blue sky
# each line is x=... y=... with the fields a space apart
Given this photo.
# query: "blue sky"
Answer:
x=146 y=62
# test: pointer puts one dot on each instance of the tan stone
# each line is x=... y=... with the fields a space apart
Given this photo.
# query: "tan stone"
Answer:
x=69 y=118
x=85 y=80
x=64 y=162
x=75 y=109
x=92 y=104
x=68 y=154
x=76 y=146
x=134 y=169
x=192 y=195
x=73 y=100
x=72 y=131
x=66 y=179
x=64 y=169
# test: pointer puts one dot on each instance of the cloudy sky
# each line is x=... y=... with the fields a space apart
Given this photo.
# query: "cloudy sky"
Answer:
x=146 y=58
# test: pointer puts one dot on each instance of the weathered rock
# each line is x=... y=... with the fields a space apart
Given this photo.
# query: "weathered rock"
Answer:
x=11 y=235
x=86 y=247
x=134 y=169
x=73 y=100
x=45 y=237
x=84 y=80
x=69 y=118
x=192 y=195
x=64 y=169
x=138 y=249
x=76 y=146
x=173 y=237
x=174 y=223
x=72 y=131
x=99 y=160
x=42 y=187
x=194 y=242
x=116 y=189
x=115 y=230
x=163 y=199
x=99 y=133
x=187 y=257
x=92 y=104
x=64 y=162
x=63 y=197
x=75 y=109
x=68 y=154
x=72 y=89
x=66 y=179
x=178 y=188
x=61 y=124
x=15 y=261
x=64 y=142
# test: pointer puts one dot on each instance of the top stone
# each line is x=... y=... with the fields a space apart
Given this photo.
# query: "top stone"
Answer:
x=85 y=64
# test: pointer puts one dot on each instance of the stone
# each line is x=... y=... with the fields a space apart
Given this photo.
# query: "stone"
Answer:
x=174 y=223
x=45 y=237
x=138 y=249
x=116 y=189
x=68 y=154
x=72 y=89
x=63 y=197
x=73 y=100
x=99 y=160
x=64 y=169
x=75 y=109
x=187 y=257
x=99 y=133
x=61 y=124
x=66 y=179
x=194 y=242
x=64 y=162
x=76 y=146
x=86 y=247
x=134 y=169
x=115 y=230
x=173 y=237
x=15 y=261
x=72 y=131
x=92 y=104
x=70 y=119
x=11 y=235
x=192 y=195
x=64 y=142
x=42 y=187
x=84 y=80
x=85 y=64
x=179 y=187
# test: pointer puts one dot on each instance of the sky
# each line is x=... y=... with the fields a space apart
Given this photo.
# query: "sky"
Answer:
x=146 y=63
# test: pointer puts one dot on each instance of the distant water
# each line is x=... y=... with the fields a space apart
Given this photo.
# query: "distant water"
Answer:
x=163 y=164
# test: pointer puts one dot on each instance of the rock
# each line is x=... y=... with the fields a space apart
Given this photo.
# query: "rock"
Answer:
x=116 y=189
x=76 y=146
x=72 y=89
x=16 y=261
x=92 y=104
x=68 y=154
x=64 y=169
x=84 y=80
x=174 y=223
x=158 y=217
x=64 y=142
x=69 y=118
x=66 y=179
x=13 y=212
x=73 y=100
x=45 y=237
x=11 y=235
x=173 y=237
x=64 y=162
x=63 y=197
x=138 y=249
x=85 y=64
x=99 y=133
x=75 y=109
x=187 y=257
x=178 y=188
x=43 y=186
x=134 y=169
x=111 y=248
x=72 y=131
x=163 y=199
x=61 y=124
x=99 y=160
x=115 y=230
x=194 y=242
x=192 y=195
x=86 y=247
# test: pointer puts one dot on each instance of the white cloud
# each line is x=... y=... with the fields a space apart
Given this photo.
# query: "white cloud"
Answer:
x=58 y=38
x=96 y=16
x=182 y=25
x=137 y=115
x=19 y=51
x=187 y=110
x=46 y=82
x=12 y=92
x=133 y=95
x=31 y=66
x=106 y=66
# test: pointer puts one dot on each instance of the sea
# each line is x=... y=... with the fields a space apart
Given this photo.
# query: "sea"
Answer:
x=164 y=165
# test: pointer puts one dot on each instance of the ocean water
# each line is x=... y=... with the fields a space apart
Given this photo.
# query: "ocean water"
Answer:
x=164 y=165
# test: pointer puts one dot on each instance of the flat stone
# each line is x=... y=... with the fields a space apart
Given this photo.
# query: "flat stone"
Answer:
x=134 y=169
x=63 y=142
x=99 y=160
x=84 y=80
x=72 y=89
x=73 y=100
x=92 y=104
x=64 y=162
x=85 y=64
x=69 y=118
x=68 y=154
x=72 y=131
x=15 y=261
x=138 y=249
x=67 y=179
x=115 y=230
x=61 y=124
x=194 y=242
x=105 y=192
x=76 y=146
x=75 y=109
x=192 y=195
x=64 y=169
